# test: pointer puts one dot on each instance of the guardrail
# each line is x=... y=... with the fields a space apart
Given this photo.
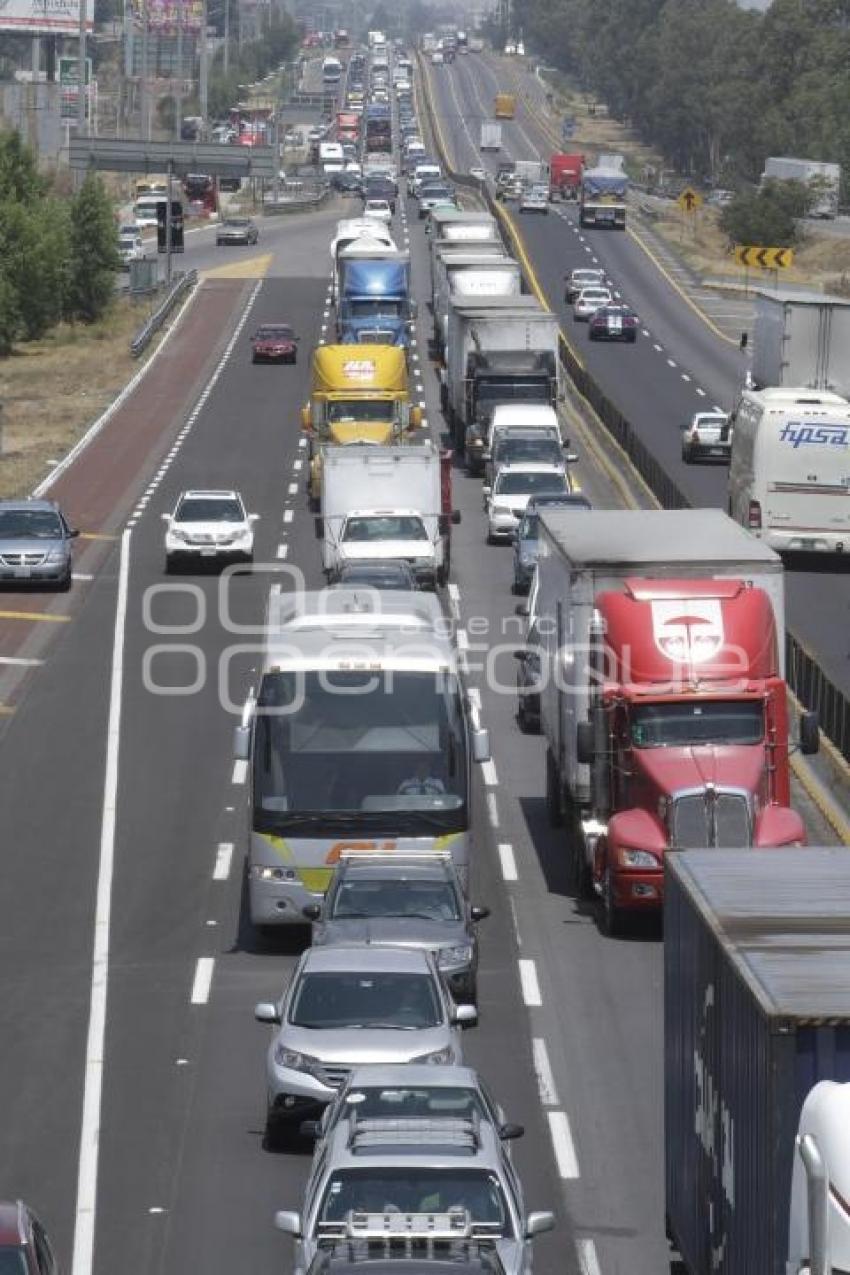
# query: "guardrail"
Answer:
x=178 y=289
x=295 y=203
x=805 y=678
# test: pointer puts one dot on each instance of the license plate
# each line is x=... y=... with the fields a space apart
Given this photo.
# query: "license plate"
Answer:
x=616 y=326
x=208 y=553
x=22 y=573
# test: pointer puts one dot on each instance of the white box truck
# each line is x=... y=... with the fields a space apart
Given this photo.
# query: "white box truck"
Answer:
x=825 y=178
x=386 y=503
x=498 y=350
x=801 y=339
x=467 y=277
x=491 y=136
x=789 y=472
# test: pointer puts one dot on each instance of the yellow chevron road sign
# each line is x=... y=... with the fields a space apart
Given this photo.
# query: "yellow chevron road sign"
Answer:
x=767 y=258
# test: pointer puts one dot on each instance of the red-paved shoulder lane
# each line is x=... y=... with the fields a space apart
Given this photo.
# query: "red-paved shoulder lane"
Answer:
x=99 y=488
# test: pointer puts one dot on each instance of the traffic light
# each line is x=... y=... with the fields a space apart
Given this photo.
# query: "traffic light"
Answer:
x=176 y=226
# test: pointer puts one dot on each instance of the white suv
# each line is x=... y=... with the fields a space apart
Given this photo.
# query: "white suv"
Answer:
x=209 y=526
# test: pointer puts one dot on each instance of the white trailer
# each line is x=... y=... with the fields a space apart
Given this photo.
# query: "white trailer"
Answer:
x=824 y=177
x=491 y=136
x=465 y=276
x=384 y=502
x=498 y=350
x=583 y=555
x=802 y=339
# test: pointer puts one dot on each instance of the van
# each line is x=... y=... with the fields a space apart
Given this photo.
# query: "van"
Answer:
x=145 y=210
x=789 y=474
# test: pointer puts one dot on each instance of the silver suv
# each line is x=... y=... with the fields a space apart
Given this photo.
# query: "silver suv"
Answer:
x=403 y=901
x=448 y=1167
x=35 y=543
x=350 y=1006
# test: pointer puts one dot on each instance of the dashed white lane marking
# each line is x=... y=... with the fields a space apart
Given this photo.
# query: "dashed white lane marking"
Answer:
x=716 y=408
x=488 y=770
x=543 y=1072
x=288 y=515
x=475 y=698
x=19 y=662
x=82 y=575
x=562 y=1141
x=700 y=392
x=656 y=347
x=685 y=376
x=462 y=640
x=671 y=363
x=587 y=1257
x=645 y=331
x=202 y=980
x=240 y=772
x=302 y=442
x=492 y=810
x=223 y=860
x=454 y=592
x=292 y=489
x=281 y=552
x=297 y=465
x=528 y=981
x=506 y=857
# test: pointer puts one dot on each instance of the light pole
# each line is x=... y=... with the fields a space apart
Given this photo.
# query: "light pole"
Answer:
x=81 y=72
x=178 y=95
x=203 y=87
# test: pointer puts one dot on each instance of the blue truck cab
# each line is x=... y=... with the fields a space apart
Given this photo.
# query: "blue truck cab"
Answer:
x=375 y=306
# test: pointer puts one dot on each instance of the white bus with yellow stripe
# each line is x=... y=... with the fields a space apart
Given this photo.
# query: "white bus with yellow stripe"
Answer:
x=360 y=737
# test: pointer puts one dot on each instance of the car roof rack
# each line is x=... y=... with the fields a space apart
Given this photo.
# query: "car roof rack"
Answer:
x=450 y=1134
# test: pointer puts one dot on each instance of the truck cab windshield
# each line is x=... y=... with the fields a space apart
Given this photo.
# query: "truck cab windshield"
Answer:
x=385 y=527
x=691 y=722
x=361 y=409
x=379 y=308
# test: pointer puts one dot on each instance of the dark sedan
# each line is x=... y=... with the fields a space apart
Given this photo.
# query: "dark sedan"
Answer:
x=274 y=343
x=613 y=323
x=236 y=230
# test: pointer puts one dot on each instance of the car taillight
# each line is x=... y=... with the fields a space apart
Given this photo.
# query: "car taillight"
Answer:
x=754 y=516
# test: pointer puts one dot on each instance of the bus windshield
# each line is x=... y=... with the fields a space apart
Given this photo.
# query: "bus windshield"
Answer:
x=348 y=748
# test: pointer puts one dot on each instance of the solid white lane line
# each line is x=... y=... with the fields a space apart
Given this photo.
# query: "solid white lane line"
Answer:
x=562 y=1141
x=223 y=859
x=530 y=986
x=19 y=662
x=492 y=810
x=281 y=551
x=506 y=855
x=84 y=1220
x=587 y=1257
x=292 y=489
x=488 y=770
x=543 y=1072
x=203 y=980
x=240 y=772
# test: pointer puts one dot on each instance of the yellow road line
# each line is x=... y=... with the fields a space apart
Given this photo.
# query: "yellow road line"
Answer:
x=673 y=284
x=246 y=268
x=35 y=615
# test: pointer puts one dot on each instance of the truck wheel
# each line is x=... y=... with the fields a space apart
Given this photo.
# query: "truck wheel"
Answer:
x=553 y=793
x=612 y=917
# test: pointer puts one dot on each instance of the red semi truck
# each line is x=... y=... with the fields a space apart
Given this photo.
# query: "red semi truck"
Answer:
x=655 y=648
x=565 y=173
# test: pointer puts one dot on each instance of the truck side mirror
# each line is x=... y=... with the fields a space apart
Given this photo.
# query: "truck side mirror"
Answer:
x=319 y=525
x=809 y=734
x=584 y=743
x=455 y=517
x=443 y=524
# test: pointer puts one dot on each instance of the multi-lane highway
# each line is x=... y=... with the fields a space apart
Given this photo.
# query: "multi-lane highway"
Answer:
x=680 y=364
x=124 y=834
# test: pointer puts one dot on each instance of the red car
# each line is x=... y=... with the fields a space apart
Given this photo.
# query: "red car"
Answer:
x=274 y=343
x=24 y=1246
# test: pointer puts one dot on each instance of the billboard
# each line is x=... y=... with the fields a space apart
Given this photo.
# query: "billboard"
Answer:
x=45 y=16
x=167 y=15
